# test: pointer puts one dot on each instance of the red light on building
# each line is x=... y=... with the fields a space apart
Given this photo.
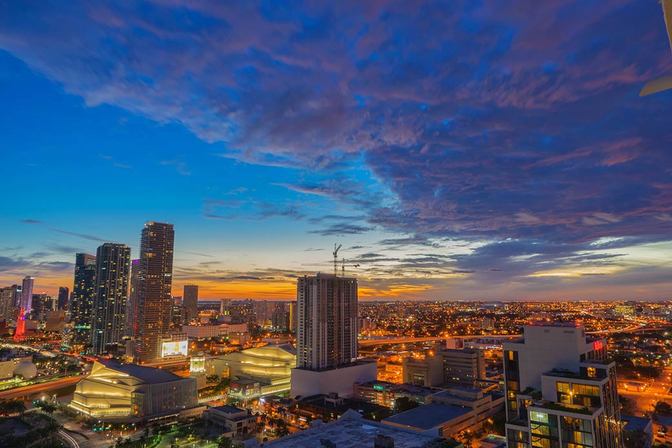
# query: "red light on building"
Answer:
x=598 y=345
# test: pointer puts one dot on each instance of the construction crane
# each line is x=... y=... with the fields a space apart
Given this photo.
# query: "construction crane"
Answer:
x=336 y=249
x=664 y=83
x=356 y=265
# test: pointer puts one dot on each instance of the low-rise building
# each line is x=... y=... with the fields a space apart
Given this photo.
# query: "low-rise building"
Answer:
x=339 y=380
x=353 y=431
x=231 y=421
x=637 y=431
x=450 y=411
x=131 y=393
x=386 y=394
x=456 y=366
x=427 y=371
x=214 y=331
x=257 y=371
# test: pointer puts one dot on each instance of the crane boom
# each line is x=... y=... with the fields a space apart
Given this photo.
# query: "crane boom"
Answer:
x=336 y=249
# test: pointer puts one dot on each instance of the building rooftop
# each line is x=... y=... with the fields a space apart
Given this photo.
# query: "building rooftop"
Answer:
x=633 y=423
x=428 y=416
x=149 y=375
x=228 y=409
x=351 y=431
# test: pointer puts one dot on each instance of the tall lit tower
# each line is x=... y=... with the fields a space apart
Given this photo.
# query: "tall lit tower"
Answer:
x=81 y=304
x=27 y=295
x=155 y=279
x=132 y=304
x=190 y=302
x=109 y=306
x=63 y=298
x=327 y=321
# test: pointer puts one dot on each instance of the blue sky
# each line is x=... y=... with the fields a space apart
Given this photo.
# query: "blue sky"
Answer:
x=456 y=149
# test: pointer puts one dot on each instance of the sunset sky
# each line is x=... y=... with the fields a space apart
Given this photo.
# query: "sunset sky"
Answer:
x=457 y=149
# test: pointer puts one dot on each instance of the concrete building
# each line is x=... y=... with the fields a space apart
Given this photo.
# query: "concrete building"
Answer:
x=258 y=371
x=41 y=304
x=113 y=262
x=450 y=411
x=339 y=380
x=81 y=305
x=9 y=296
x=327 y=321
x=637 y=431
x=153 y=295
x=327 y=338
x=13 y=366
x=293 y=318
x=352 y=431
x=427 y=372
x=27 y=295
x=132 y=393
x=213 y=331
x=386 y=394
x=190 y=303
x=447 y=366
x=560 y=390
x=231 y=421
x=463 y=366
x=63 y=298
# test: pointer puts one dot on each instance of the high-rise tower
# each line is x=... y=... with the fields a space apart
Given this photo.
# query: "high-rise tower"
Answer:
x=326 y=358
x=27 y=295
x=560 y=390
x=190 y=302
x=327 y=321
x=63 y=298
x=153 y=295
x=109 y=306
x=83 y=293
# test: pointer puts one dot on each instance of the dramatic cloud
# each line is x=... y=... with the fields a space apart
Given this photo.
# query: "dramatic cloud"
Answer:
x=517 y=123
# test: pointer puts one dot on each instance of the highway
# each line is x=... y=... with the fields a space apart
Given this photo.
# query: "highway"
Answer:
x=409 y=340
x=34 y=389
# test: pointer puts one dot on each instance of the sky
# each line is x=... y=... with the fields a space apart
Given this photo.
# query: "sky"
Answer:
x=456 y=149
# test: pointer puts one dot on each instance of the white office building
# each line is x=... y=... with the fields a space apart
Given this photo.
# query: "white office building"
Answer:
x=560 y=390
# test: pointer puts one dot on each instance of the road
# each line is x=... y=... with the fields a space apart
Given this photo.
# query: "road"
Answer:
x=67 y=438
x=409 y=340
x=34 y=389
x=658 y=390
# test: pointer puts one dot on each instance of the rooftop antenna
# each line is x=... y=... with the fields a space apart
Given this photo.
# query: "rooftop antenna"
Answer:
x=336 y=249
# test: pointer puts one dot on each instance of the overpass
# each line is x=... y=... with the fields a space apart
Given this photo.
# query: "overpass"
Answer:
x=503 y=337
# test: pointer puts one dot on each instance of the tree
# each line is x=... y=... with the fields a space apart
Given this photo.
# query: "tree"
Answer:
x=224 y=442
x=663 y=408
x=12 y=407
x=45 y=406
x=402 y=404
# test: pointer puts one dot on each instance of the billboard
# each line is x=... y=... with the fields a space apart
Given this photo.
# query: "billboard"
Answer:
x=197 y=364
x=174 y=348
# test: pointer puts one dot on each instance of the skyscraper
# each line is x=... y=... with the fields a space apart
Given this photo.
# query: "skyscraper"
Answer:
x=27 y=295
x=132 y=304
x=155 y=279
x=326 y=359
x=63 y=295
x=109 y=305
x=560 y=390
x=41 y=303
x=9 y=296
x=327 y=321
x=83 y=293
x=190 y=302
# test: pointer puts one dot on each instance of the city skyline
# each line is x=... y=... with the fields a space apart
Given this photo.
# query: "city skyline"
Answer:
x=464 y=158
